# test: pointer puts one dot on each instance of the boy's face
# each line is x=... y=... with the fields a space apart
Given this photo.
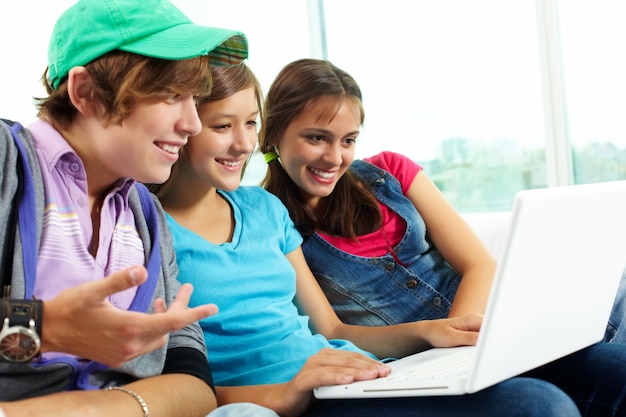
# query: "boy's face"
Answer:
x=147 y=143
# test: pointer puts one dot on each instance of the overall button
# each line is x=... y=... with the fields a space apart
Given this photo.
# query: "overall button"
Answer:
x=437 y=301
x=412 y=283
x=389 y=266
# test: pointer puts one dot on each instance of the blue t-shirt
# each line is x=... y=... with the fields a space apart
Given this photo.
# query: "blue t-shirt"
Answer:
x=258 y=336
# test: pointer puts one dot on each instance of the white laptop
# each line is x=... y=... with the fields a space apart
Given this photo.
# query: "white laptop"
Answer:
x=552 y=294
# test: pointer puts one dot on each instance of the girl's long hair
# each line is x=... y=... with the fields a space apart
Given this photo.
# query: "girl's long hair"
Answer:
x=121 y=80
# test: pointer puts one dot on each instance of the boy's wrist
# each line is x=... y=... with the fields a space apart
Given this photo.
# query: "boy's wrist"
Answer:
x=20 y=332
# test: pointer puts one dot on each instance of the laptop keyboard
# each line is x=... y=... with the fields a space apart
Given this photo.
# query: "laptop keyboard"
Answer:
x=455 y=365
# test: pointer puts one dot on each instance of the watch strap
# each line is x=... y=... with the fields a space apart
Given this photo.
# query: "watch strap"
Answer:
x=21 y=312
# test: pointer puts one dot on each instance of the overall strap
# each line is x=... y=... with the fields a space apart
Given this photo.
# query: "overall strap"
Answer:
x=369 y=173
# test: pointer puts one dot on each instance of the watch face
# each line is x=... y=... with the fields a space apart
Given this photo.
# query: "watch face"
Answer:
x=20 y=345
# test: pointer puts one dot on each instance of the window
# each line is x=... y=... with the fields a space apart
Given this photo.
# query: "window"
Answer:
x=278 y=32
x=594 y=71
x=489 y=96
x=455 y=85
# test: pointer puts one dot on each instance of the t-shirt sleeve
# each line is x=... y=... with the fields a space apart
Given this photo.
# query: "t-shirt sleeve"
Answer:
x=188 y=361
x=293 y=238
x=398 y=165
x=281 y=219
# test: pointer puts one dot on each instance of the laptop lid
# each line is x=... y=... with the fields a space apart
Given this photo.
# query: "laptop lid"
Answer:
x=556 y=278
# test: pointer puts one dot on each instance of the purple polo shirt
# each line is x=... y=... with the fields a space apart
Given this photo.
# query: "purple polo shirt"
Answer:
x=64 y=259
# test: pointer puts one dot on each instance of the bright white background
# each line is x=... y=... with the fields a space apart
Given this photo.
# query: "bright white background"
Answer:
x=447 y=77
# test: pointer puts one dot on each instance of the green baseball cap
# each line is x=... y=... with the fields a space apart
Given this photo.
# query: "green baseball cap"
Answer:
x=153 y=28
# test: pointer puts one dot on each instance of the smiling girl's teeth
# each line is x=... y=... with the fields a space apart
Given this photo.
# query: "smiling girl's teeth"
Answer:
x=169 y=148
x=325 y=175
x=230 y=163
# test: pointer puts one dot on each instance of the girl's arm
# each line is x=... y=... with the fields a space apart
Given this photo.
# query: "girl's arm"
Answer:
x=171 y=395
x=383 y=341
x=458 y=245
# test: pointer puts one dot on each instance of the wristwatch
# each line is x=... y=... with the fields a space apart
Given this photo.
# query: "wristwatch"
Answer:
x=20 y=337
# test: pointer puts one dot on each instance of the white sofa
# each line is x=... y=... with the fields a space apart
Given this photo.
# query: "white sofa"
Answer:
x=491 y=228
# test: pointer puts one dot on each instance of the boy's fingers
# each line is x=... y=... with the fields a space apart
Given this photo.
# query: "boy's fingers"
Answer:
x=119 y=281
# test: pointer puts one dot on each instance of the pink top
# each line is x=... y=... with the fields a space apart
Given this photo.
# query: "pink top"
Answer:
x=379 y=242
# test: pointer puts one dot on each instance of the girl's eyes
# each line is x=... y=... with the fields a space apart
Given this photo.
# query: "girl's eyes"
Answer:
x=320 y=138
x=227 y=125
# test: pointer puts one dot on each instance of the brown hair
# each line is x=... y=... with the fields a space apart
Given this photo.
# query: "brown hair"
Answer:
x=350 y=210
x=121 y=79
x=227 y=81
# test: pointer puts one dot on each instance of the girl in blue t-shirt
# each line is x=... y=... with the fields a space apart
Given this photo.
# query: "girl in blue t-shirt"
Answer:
x=276 y=337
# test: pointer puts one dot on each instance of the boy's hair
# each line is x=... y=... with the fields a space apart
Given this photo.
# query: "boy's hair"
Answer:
x=227 y=81
x=350 y=210
x=120 y=80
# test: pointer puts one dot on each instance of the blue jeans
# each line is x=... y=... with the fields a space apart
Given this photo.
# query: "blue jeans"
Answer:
x=615 y=331
x=241 y=410
x=517 y=397
x=590 y=383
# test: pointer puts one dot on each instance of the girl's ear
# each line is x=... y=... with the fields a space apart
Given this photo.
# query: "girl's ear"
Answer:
x=80 y=91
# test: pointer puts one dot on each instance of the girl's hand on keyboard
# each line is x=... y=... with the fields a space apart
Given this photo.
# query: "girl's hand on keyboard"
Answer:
x=456 y=331
x=327 y=367
x=333 y=367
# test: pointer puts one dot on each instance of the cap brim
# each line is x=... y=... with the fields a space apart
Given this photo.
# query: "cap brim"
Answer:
x=184 y=41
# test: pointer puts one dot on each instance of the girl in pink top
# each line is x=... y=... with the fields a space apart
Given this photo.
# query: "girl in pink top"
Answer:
x=380 y=237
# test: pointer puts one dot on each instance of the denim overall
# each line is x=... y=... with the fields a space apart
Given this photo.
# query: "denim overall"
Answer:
x=416 y=284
